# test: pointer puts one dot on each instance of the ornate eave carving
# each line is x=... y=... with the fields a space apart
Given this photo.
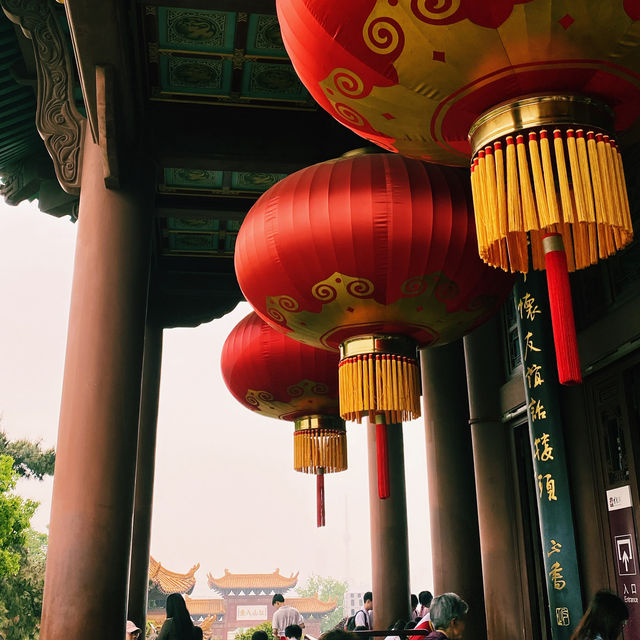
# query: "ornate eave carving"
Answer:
x=58 y=121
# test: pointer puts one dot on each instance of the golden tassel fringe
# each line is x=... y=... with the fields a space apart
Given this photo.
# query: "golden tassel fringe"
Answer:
x=391 y=386
x=321 y=449
x=521 y=191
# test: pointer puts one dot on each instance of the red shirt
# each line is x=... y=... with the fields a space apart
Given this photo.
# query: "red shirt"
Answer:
x=425 y=623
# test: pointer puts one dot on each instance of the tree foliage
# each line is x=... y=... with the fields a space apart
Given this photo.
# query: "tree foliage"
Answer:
x=22 y=560
x=15 y=515
x=29 y=459
x=21 y=595
x=264 y=626
x=326 y=588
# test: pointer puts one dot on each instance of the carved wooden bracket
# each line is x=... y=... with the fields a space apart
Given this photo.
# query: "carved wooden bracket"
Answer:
x=107 y=133
x=58 y=121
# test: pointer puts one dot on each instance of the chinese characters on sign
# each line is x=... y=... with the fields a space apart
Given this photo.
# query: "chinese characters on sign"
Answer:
x=550 y=486
x=251 y=612
x=547 y=451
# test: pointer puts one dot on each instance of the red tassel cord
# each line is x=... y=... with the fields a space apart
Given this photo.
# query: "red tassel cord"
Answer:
x=320 y=498
x=561 y=306
x=382 y=451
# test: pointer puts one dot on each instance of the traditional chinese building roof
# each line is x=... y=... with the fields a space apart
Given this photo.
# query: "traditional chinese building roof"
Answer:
x=207 y=628
x=313 y=605
x=169 y=581
x=207 y=625
x=252 y=581
x=205 y=606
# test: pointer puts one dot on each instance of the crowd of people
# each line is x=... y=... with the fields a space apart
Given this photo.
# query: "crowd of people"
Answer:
x=441 y=618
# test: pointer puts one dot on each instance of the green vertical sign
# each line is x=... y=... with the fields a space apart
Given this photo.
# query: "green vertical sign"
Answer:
x=548 y=451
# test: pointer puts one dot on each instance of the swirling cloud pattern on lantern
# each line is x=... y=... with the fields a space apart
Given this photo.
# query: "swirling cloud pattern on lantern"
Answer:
x=414 y=78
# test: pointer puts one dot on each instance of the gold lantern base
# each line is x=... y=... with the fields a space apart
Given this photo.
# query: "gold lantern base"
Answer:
x=379 y=375
x=522 y=190
x=319 y=444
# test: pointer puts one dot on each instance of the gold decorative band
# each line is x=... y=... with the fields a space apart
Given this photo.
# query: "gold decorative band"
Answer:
x=539 y=111
x=361 y=345
x=552 y=242
x=331 y=423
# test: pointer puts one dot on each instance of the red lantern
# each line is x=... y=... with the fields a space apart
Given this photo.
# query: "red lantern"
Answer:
x=285 y=379
x=530 y=91
x=374 y=255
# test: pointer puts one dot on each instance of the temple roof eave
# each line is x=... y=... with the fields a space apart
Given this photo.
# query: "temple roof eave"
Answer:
x=168 y=582
x=245 y=582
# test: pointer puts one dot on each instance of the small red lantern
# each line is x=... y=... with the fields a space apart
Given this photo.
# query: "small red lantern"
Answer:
x=374 y=255
x=529 y=91
x=281 y=378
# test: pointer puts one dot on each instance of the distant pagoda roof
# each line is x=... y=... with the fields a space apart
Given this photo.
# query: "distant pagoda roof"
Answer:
x=205 y=606
x=312 y=605
x=252 y=581
x=207 y=628
x=169 y=581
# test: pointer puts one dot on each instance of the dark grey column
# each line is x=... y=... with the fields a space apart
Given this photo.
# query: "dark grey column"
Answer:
x=455 y=542
x=495 y=487
x=389 y=541
x=145 y=468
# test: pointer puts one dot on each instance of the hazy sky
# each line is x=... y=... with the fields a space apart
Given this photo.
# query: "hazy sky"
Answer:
x=220 y=469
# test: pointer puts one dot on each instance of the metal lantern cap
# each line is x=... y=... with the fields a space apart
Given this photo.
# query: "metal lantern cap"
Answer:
x=389 y=344
x=539 y=111
x=320 y=422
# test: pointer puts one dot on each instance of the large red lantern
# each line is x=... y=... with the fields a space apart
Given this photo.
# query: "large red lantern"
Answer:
x=284 y=379
x=374 y=255
x=530 y=92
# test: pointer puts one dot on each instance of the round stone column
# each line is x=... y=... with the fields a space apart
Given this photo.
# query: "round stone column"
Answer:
x=495 y=487
x=91 y=516
x=455 y=543
x=145 y=468
x=389 y=541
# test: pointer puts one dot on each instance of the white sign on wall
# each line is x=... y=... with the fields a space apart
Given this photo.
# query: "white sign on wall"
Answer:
x=251 y=612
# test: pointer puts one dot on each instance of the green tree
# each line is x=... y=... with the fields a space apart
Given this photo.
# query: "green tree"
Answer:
x=22 y=554
x=29 y=459
x=21 y=595
x=264 y=626
x=15 y=515
x=326 y=589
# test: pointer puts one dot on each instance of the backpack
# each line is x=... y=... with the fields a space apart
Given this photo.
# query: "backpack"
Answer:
x=351 y=620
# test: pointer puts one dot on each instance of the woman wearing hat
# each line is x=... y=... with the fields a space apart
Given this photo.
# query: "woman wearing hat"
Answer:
x=133 y=632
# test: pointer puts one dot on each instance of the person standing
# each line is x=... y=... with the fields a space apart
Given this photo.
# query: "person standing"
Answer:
x=178 y=625
x=424 y=602
x=284 y=616
x=293 y=632
x=414 y=607
x=133 y=631
x=604 y=619
x=364 y=617
x=448 y=616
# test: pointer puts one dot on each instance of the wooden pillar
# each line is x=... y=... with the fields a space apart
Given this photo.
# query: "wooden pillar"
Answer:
x=91 y=514
x=495 y=488
x=389 y=540
x=145 y=468
x=455 y=542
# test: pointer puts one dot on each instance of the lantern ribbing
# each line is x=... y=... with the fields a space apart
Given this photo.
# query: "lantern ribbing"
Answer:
x=267 y=373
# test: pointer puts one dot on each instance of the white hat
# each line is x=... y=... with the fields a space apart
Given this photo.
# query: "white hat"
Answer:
x=131 y=627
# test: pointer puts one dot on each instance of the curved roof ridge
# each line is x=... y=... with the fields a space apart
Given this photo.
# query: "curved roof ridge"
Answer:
x=248 y=581
x=171 y=581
